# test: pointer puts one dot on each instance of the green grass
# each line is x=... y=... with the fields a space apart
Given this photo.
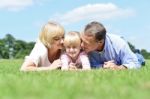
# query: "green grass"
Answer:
x=94 y=84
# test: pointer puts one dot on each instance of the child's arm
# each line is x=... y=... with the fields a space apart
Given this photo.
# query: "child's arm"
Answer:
x=85 y=62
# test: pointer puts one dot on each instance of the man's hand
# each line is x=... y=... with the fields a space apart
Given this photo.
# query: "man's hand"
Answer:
x=111 y=65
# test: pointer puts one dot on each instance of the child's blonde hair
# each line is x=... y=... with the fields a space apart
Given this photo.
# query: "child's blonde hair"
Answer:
x=72 y=38
x=49 y=31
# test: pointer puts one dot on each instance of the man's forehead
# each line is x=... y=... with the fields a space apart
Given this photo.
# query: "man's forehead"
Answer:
x=88 y=38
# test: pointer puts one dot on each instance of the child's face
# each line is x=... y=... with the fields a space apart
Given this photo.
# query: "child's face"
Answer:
x=73 y=51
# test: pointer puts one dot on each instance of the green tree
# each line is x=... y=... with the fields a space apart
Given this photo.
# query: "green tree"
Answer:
x=12 y=48
x=22 y=48
x=6 y=46
x=145 y=54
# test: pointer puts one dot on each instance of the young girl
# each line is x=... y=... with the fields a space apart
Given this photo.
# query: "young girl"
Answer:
x=47 y=50
x=74 y=58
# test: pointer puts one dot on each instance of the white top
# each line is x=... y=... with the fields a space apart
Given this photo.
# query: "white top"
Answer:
x=39 y=55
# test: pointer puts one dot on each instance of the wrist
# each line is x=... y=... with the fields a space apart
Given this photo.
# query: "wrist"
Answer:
x=122 y=67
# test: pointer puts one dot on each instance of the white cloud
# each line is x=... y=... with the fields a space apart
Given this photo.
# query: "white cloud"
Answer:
x=16 y=5
x=93 y=12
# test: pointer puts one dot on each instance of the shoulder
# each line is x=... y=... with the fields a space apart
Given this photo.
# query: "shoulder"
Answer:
x=64 y=56
x=83 y=53
x=39 y=49
x=40 y=45
x=116 y=41
x=115 y=38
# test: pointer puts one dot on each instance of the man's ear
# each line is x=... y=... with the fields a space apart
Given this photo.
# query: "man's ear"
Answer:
x=101 y=41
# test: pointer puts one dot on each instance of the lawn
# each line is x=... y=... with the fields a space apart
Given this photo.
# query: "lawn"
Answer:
x=94 y=84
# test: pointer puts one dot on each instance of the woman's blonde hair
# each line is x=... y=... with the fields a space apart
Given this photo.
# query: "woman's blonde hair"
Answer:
x=49 y=31
x=72 y=38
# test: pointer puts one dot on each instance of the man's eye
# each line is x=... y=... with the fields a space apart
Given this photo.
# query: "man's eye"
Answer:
x=85 y=43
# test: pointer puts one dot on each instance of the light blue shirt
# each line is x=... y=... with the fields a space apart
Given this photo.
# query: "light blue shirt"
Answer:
x=140 y=58
x=116 y=49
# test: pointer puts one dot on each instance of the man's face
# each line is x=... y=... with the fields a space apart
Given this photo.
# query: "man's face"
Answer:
x=90 y=44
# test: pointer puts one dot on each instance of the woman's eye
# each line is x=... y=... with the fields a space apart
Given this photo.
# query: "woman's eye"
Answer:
x=56 y=39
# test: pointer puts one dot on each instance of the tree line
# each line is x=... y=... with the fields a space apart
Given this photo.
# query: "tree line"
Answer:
x=11 y=48
x=144 y=52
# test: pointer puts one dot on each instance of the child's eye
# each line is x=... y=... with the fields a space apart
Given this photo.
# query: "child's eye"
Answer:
x=74 y=47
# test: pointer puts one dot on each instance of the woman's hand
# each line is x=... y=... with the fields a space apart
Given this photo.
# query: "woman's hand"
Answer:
x=56 y=64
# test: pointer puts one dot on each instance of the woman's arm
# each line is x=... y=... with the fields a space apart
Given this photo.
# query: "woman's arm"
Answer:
x=65 y=60
x=31 y=66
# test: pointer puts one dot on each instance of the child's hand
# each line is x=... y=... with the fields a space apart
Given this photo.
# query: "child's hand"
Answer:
x=72 y=66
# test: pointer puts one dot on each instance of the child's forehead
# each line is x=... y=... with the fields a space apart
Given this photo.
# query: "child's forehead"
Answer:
x=70 y=44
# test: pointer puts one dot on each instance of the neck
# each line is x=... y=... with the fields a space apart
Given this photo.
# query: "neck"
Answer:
x=52 y=51
x=53 y=54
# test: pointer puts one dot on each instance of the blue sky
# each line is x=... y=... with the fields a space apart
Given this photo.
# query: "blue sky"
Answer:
x=128 y=18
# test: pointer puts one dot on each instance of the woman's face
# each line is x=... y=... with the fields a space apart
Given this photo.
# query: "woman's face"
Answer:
x=58 y=42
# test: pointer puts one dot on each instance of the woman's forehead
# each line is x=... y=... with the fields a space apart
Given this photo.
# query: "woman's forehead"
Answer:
x=58 y=35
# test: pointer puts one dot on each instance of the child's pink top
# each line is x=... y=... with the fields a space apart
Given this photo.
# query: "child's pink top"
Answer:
x=82 y=61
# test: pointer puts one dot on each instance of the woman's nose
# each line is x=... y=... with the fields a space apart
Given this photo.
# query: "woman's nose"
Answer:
x=62 y=41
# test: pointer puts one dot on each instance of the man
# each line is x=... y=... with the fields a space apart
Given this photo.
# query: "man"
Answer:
x=107 y=50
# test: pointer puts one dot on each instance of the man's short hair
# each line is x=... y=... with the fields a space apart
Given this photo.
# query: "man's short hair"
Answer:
x=96 y=29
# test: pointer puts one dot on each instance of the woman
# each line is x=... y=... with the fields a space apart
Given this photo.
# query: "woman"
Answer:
x=47 y=50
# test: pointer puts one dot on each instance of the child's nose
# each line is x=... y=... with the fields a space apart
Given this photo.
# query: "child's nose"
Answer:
x=71 y=49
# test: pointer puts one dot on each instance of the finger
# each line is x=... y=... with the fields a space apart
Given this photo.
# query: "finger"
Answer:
x=105 y=66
